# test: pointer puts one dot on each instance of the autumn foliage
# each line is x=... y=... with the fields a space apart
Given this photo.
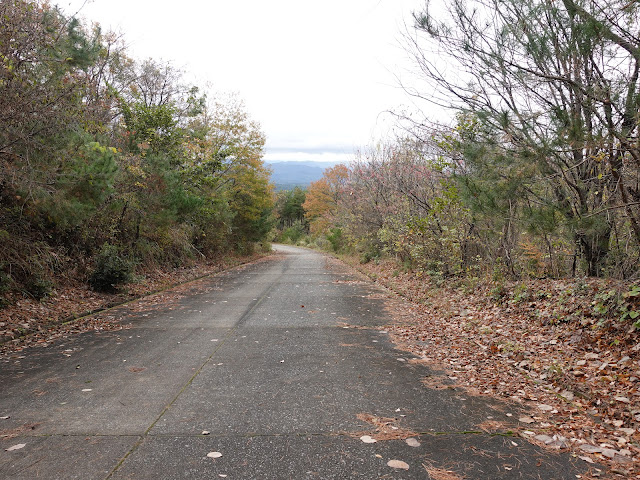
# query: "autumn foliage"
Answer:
x=108 y=164
x=536 y=173
x=323 y=196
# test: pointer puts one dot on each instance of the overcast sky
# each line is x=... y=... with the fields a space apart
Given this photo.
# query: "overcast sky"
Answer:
x=316 y=75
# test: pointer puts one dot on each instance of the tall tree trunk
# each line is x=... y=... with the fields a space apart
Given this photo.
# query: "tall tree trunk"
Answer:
x=595 y=248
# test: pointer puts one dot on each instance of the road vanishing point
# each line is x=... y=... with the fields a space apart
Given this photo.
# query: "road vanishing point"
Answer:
x=279 y=369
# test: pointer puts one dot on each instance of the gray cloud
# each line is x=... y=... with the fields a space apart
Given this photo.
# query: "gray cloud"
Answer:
x=312 y=149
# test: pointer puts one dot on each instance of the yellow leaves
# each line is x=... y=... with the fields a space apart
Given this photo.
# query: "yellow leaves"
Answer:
x=8 y=64
x=136 y=170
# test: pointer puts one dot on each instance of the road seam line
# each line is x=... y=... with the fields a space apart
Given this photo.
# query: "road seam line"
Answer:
x=190 y=381
x=508 y=433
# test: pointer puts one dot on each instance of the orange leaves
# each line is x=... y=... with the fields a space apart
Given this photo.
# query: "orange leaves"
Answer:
x=322 y=197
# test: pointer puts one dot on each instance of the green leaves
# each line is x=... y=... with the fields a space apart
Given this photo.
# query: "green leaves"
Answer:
x=620 y=306
x=86 y=176
x=633 y=292
x=151 y=128
x=102 y=153
x=547 y=95
x=112 y=269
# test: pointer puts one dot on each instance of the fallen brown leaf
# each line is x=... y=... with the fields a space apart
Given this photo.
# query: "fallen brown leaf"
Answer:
x=440 y=473
x=399 y=464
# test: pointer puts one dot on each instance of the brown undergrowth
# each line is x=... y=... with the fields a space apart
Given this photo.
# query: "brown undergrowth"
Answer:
x=74 y=308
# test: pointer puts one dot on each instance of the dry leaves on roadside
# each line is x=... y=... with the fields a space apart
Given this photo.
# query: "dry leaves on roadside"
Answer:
x=399 y=464
x=576 y=380
x=385 y=428
x=16 y=447
x=73 y=308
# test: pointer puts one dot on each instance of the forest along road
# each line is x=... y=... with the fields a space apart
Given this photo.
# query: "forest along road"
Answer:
x=270 y=371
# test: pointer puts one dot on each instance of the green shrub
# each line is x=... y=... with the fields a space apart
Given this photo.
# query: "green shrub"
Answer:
x=5 y=287
x=112 y=269
x=336 y=239
x=521 y=293
x=294 y=233
x=264 y=247
x=38 y=287
x=372 y=252
x=5 y=282
x=321 y=243
x=36 y=274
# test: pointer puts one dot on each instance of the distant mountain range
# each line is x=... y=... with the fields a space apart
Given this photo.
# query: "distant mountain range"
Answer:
x=288 y=175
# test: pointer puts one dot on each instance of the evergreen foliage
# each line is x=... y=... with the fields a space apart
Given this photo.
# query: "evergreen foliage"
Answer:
x=289 y=207
x=108 y=165
x=112 y=269
x=548 y=100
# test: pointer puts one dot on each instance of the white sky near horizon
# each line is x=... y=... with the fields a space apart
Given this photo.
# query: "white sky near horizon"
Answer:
x=317 y=76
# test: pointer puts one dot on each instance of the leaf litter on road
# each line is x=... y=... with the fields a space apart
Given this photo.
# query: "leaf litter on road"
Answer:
x=73 y=308
x=367 y=439
x=412 y=442
x=16 y=447
x=386 y=428
x=441 y=473
x=399 y=464
x=568 y=374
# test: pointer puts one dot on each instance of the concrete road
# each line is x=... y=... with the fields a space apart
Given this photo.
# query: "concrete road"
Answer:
x=278 y=367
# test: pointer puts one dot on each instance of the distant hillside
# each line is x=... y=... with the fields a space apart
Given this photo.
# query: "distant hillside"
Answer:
x=288 y=175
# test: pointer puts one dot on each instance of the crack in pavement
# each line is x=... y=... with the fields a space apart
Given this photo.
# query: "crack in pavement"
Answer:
x=263 y=435
x=289 y=407
x=251 y=307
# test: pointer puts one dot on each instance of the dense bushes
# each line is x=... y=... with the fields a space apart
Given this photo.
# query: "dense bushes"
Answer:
x=112 y=269
x=537 y=173
x=545 y=149
x=107 y=163
x=416 y=201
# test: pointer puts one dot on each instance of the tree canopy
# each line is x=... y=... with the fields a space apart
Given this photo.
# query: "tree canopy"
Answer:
x=538 y=175
x=548 y=100
x=103 y=156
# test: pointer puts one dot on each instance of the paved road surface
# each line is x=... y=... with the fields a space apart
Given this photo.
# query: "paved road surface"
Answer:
x=284 y=363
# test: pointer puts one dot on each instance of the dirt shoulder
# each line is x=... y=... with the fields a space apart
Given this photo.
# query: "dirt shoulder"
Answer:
x=542 y=343
x=70 y=308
